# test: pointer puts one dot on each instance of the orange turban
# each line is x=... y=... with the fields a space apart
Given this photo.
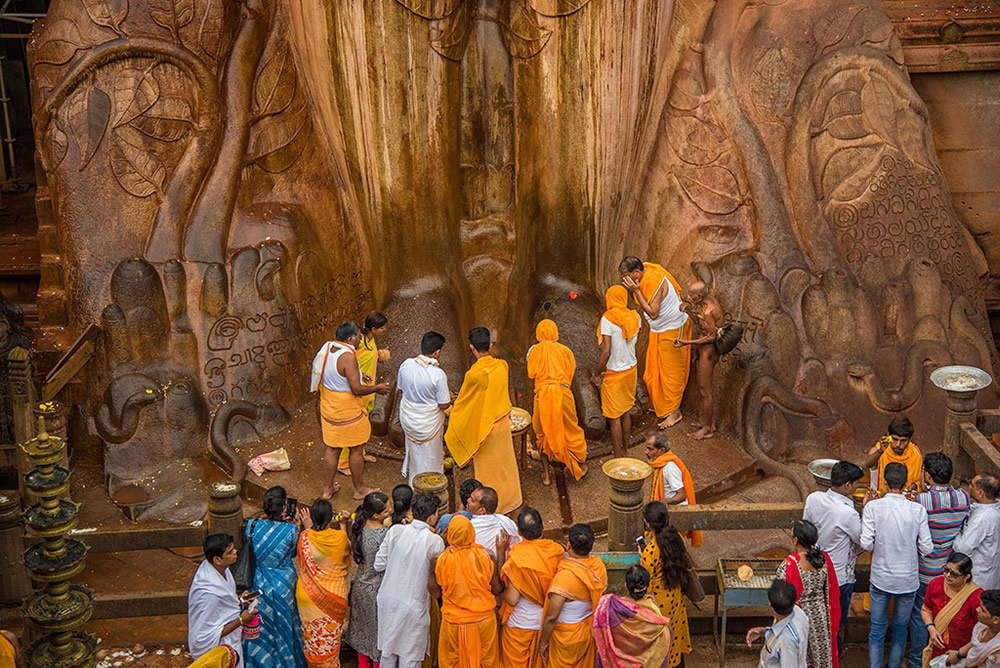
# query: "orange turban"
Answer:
x=461 y=533
x=547 y=331
x=619 y=314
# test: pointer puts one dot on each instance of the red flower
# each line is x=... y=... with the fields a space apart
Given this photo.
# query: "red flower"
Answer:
x=573 y=295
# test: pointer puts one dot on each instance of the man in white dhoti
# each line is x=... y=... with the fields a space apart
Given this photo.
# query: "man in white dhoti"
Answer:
x=214 y=615
x=403 y=604
x=425 y=399
x=487 y=522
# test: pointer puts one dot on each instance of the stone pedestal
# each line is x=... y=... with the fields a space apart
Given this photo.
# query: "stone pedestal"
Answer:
x=962 y=383
x=626 y=476
x=225 y=510
x=436 y=484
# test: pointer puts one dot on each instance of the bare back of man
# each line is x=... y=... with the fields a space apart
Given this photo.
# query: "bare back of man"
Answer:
x=706 y=318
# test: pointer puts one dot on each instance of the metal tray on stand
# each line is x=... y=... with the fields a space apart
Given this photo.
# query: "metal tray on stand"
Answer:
x=737 y=593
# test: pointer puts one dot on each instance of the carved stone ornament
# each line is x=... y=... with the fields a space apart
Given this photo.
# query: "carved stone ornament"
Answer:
x=231 y=179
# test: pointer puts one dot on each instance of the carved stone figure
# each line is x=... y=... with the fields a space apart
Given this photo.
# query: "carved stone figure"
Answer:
x=234 y=177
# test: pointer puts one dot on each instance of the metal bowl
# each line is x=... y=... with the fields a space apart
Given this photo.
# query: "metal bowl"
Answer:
x=821 y=470
x=958 y=378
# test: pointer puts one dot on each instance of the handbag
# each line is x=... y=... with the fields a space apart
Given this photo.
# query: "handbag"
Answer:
x=246 y=564
x=728 y=337
x=692 y=587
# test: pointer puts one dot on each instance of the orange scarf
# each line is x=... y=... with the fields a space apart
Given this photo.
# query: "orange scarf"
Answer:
x=483 y=399
x=530 y=567
x=580 y=579
x=618 y=313
x=548 y=360
x=651 y=279
x=464 y=571
x=910 y=458
x=656 y=494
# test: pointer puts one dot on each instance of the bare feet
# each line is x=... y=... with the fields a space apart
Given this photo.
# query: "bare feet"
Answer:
x=370 y=458
x=329 y=492
x=583 y=470
x=671 y=420
x=360 y=494
x=546 y=479
x=702 y=434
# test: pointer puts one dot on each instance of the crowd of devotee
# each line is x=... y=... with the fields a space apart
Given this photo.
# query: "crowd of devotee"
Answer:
x=404 y=583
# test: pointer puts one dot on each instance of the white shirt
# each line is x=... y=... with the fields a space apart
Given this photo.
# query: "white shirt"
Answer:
x=526 y=615
x=839 y=530
x=622 y=352
x=488 y=527
x=894 y=529
x=671 y=316
x=574 y=612
x=980 y=539
x=212 y=603
x=403 y=604
x=423 y=381
x=673 y=482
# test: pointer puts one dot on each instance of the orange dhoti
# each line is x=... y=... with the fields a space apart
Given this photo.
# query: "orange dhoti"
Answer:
x=519 y=648
x=618 y=392
x=557 y=428
x=667 y=369
x=469 y=645
x=572 y=645
x=495 y=466
x=345 y=424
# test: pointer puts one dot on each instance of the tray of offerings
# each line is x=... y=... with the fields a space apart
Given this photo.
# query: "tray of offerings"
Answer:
x=740 y=583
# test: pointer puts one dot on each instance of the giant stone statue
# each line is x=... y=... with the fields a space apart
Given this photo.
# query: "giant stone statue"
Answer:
x=232 y=178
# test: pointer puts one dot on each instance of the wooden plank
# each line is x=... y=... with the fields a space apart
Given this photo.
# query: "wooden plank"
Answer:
x=711 y=517
x=71 y=362
x=981 y=449
x=140 y=604
x=988 y=421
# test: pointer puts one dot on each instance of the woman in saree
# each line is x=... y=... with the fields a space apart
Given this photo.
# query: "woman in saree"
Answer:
x=321 y=595
x=369 y=355
x=950 y=611
x=629 y=631
x=367 y=534
x=667 y=560
x=279 y=644
x=222 y=656
x=810 y=571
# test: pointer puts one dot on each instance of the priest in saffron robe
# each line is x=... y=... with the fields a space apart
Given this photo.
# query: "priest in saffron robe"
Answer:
x=567 y=639
x=467 y=581
x=667 y=367
x=526 y=574
x=672 y=482
x=479 y=425
x=617 y=370
x=896 y=446
x=552 y=365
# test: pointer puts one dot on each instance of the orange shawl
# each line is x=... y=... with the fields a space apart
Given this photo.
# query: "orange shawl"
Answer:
x=530 y=567
x=580 y=579
x=464 y=571
x=618 y=313
x=656 y=493
x=651 y=279
x=483 y=399
x=551 y=365
x=910 y=458
x=324 y=562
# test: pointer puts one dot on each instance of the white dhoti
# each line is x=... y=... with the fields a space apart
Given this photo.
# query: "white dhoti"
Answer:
x=423 y=426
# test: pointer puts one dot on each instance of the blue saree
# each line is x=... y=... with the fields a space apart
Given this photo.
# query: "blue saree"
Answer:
x=280 y=642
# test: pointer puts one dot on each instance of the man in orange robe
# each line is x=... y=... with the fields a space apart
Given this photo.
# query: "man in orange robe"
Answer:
x=896 y=446
x=479 y=426
x=552 y=365
x=616 y=372
x=672 y=482
x=467 y=580
x=526 y=574
x=667 y=366
x=567 y=639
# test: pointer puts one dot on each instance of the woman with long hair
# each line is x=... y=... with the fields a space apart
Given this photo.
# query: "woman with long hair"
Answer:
x=810 y=571
x=667 y=560
x=402 y=499
x=324 y=561
x=367 y=534
x=369 y=355
x=630 y=631
x=279 y=643
x=950 y=610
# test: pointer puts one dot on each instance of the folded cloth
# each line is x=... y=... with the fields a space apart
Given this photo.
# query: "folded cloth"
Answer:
x=276 y=460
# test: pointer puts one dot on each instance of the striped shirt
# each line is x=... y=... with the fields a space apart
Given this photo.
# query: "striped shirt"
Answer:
x=947 y=509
